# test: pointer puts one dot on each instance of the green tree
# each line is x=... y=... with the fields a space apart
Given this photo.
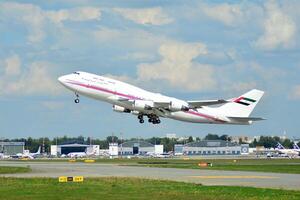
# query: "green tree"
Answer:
x=211 y=137
x=190 y=139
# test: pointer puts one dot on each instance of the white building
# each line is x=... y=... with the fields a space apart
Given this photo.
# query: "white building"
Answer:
x=211 y=147
x=57 y=150
x=137 y=147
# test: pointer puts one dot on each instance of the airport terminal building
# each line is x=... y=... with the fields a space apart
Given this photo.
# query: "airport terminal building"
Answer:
x=211 y=147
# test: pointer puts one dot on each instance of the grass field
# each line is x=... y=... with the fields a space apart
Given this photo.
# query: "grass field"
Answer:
x=130 y=188
x=13 y=170
x=260 y=165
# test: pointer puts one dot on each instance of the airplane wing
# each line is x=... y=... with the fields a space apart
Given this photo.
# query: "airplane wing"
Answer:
x=199 y=104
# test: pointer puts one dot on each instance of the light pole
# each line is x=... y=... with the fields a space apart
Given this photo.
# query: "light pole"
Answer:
x=121 y=134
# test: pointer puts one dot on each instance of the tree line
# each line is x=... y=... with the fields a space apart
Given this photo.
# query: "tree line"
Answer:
x=32 y=144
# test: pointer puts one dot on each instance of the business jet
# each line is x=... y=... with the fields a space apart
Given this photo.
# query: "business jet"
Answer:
x=127 y=98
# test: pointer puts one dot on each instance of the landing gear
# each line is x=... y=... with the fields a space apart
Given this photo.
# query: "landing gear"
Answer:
x=153 y=119
x=77 y=98
x=141 y=119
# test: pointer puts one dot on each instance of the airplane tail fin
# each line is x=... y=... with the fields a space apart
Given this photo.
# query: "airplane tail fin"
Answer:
x=243 y=105
x=279 y=146
x=39 y=150
x=295 y=145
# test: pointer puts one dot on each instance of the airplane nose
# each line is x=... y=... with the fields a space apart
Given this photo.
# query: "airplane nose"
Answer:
x=61 y=79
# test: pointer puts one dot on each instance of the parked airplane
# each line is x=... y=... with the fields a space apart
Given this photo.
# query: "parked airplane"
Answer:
x=27 y=154
x=288 y=152
x=130 y=99
x=296 y=147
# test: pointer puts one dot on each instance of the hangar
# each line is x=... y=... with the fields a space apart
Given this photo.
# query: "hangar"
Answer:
x=57 y=150
x=11 y=148
x=139 y=147
x=212 y=147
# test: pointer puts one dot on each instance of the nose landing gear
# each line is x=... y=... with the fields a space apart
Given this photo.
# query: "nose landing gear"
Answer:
x=77 y=98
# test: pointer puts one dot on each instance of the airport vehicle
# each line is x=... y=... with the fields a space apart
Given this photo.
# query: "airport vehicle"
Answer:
x=77 y=154
x=284 y=151
x=127 y=98
x=163 y=155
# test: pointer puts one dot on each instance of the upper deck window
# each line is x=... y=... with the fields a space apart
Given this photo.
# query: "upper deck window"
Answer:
x=76 y=73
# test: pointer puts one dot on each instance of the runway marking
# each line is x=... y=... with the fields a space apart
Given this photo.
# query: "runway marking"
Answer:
x=234 y=177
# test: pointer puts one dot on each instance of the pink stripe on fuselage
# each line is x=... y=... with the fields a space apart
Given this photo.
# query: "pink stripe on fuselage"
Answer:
x=138 y=98
x=204 y=115
x=105 y=90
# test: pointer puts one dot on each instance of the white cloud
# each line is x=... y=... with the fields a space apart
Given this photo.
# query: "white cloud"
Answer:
x=12 y=65
x=295 y=94
x=142 y=40
x=31 y=15
x=279 y=28
x=140 y=56
x=35 y=19
x=153 y=16
x=75 y=14
x=35 y=80
x=225 y=13
x=178 y=68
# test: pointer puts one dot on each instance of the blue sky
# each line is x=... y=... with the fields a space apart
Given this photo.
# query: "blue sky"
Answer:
x=187 y=49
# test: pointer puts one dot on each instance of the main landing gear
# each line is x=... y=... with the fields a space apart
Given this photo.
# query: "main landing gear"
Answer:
x=151 y=119
x=77 y=98
x=141 y=118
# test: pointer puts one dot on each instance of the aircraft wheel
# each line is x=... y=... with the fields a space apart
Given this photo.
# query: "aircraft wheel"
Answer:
x=141 y=121
x=158 y=121
x=76 y=100
x=140 y=117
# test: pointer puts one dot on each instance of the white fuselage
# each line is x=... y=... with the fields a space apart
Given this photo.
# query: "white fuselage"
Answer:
x=113 y=91
x=289 y=152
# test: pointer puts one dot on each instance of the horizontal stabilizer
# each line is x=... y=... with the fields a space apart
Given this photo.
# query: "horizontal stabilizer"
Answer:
x=245 y=119
x=199 y=104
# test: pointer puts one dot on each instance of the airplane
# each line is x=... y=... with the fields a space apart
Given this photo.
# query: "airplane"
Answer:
x=288 y=152
x=296 y=147
x=127 y=98
x=27 y=154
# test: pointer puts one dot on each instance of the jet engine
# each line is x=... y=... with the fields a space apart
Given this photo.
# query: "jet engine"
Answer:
x=143 y=105
x=120 y=109
x=178 y=106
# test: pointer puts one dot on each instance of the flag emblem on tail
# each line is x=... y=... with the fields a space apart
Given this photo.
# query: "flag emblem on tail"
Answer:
x=244 y=101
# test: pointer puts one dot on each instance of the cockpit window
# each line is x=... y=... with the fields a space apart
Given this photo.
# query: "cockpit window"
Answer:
x=76 y=73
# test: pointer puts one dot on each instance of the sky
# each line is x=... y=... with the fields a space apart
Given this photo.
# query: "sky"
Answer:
x=192 y=50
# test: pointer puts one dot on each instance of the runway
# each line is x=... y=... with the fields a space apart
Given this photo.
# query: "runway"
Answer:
x=205 y=177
